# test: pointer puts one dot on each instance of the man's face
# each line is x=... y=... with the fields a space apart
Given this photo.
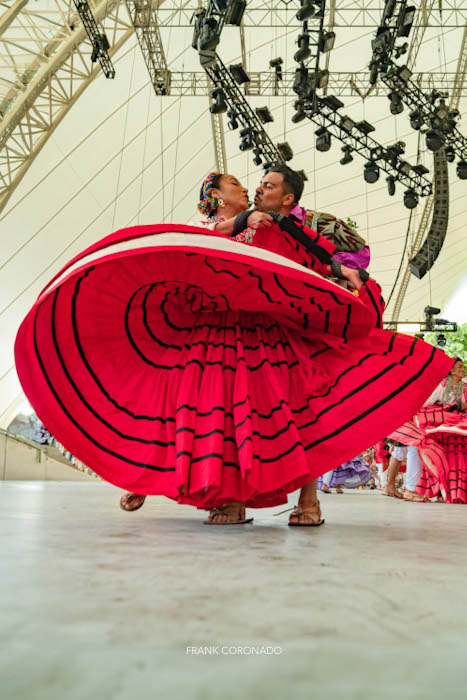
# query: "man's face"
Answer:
x=270 y=195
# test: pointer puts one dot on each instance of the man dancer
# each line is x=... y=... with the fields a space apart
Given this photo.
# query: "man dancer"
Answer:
x=412 y=477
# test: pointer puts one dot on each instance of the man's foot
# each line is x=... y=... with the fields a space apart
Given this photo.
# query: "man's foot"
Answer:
x=325 y=489
x=131 y=501
x=392 y=491
x=414 y=496
x=230 y=514
x=306 y=515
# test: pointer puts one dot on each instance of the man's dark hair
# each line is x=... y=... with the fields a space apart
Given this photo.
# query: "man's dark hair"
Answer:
x=293 y=181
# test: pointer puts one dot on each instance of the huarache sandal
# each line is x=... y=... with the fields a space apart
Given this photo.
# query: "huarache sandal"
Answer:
x=229 y=510
x=312 y=511
x=131 y=501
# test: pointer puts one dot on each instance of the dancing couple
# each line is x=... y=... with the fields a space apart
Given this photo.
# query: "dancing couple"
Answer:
x=221 y=365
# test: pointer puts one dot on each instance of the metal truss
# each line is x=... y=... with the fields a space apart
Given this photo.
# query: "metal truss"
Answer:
x=192 y=83
x=45 y=64
x=355 y=14
x=144 y=16
x=418 y=31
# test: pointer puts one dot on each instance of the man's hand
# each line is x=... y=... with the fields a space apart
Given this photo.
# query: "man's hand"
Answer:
x=259 y=219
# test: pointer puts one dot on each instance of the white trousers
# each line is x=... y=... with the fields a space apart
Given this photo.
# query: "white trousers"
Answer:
x=414 y=465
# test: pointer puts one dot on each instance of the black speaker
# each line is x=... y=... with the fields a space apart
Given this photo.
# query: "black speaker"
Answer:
x=431 y=247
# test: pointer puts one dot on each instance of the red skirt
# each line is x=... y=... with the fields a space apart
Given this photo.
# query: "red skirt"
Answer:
x=178 y=362
x=441 y=439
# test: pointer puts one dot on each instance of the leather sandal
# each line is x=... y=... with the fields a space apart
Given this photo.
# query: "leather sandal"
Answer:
x=228 y=509
x=125 y=501
x=414 y=497
x=297 y=511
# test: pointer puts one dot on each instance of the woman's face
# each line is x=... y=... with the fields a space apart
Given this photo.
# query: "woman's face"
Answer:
x=458 y=370
x=232 y=192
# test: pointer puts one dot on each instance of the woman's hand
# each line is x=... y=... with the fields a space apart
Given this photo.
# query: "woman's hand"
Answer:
x=259 y=219
x=352 y=276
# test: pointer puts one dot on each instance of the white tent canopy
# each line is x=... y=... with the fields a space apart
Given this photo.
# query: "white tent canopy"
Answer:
x=122 y=155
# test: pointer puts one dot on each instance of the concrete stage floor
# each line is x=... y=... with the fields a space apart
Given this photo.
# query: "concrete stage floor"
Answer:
x=98 y=603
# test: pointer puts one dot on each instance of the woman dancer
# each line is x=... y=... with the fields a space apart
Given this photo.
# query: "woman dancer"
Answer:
x=439 y=432
x=179 y=362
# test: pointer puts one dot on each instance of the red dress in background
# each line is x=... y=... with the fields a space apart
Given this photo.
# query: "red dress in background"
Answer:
x=179 y=362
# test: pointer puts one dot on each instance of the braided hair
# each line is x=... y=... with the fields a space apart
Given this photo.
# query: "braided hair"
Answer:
x=207 y=203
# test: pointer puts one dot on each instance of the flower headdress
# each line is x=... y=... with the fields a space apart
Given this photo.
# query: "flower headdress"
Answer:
x=207 y=203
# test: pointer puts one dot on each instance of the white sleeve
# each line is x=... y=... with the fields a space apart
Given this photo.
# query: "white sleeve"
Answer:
x=204 y=224
x=437 y=395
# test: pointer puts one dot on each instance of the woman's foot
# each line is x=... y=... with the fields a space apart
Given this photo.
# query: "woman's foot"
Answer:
x=306 y=514
x=339 y=489
x=325 y=489
x=230 y=514
x=392 y=491
x=414 y=496
x=132 y=501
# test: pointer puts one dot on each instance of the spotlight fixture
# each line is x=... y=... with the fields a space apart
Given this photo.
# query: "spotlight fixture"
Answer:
x=396 y=105
x=347 y=158
x=300 y=83
x=323 y=139
x=449 y=153
x=347 y=123
x=235 y=10
x=410 y=199
x=462 y=170
x=405 y=20
x=285 y=150
x=389 y=8
x=257 y=159
x=404 y=72
x=299 y=112
x=220 y=105
x=416 y=119
x=405 y=167
x=373 y=73
x=306 y=11
x=391 y=181
x=400 y=51
x=441 y=340
x=434 y=140
x=239 y=74
x=371 y=172
x=381 y=40
x=321 y=79
x=332 y=102
x=326 y=42
x=365 y=127
x=100 y=47
x=276 y=63
x=304 y=50
x=232 y=123
x=247 y=141
x=420 y=169
x=264 y=115
x=209 y=35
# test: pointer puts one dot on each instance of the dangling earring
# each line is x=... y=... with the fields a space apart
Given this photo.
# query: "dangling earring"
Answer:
x=220 y=203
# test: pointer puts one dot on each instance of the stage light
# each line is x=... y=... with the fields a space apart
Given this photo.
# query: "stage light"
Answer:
x=209 y=35
x=396 y=105
x=347 y=123
x=381 y=40
x=299 y=112
x=300 y=84
x=405 y=167
x=276 y=63
x=405 y=20
x=304 y=50
x=404 y=72
x=332 y=102
x=420 y=169
x=239 y=74
x=285 y=150
x=264 y=115
x=441 y=340
x=416 y=119
x=400 y=51
x=389 y=8
x=323 y=140
x=247 y=141
x=257 y=159
x=327 y=41
x=371 y=172
x=347 y=158
x=462 y=170
x=373 y=73
x=365 y=127
x=391 y=181
x=410 y=199
x=197 y=20
x=235 y=12
x=306 y=11
x=220 y=105
x=99 y=47
x=321 y=79
x=232 y=123
x=450 y=155
x=434 y=140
